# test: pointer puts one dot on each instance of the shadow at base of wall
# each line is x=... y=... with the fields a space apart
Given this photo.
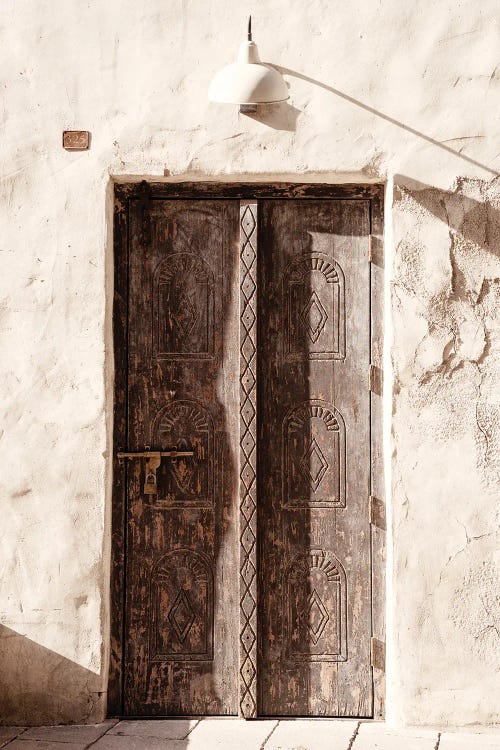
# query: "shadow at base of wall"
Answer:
x=39 y=686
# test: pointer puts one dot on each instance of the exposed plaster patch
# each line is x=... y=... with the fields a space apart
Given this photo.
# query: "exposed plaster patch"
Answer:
x=481 y=622
x=375 y=166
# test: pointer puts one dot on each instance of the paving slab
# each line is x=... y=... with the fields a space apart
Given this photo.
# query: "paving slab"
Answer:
x=233 y=734
x=136 y=742
x=317 y=734
x=467 y=741
x=375 y=736
x=81 y=734
x=167 y=729
x=8 y=733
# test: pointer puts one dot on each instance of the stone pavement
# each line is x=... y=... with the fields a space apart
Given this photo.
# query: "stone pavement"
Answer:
x=235 y=734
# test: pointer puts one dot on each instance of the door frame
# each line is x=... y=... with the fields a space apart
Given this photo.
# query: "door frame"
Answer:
x=248 y=193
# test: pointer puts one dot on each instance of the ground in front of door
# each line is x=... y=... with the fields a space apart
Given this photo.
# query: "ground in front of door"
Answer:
x=236 y=734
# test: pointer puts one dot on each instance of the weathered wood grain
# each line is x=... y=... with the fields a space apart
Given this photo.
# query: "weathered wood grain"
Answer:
x=180 y=377
x=250 y=190
x=181 y=633
x=117 y=583
x=378 y=531
x=314 y=458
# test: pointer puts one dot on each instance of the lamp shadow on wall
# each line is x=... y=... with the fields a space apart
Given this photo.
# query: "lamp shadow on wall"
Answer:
x=282 y=110
x=279 y=116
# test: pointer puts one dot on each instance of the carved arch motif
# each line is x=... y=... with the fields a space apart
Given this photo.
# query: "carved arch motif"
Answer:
x=181 y=608
x=314 y=304
x=183 y=308
x=185 y=482
x=315 y=607
x=314 y=456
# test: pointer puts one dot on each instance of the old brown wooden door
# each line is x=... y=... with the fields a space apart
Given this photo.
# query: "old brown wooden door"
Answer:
x=314 y=458
x=182 y=552
x=246 y=577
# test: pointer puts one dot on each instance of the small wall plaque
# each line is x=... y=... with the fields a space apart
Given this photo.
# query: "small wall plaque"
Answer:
x=76 y=140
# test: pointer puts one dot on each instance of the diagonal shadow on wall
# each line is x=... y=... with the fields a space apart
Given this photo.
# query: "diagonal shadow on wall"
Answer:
x=30 y=685
x=388 y=118
x=477 y=221
x=31 y=677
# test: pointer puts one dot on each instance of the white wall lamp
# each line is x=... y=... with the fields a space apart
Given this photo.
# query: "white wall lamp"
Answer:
x=248 y=82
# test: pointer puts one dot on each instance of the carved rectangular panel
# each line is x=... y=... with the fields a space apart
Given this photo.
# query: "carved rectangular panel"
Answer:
x=181 y=606
x=315 y=601
x=185 y=482
x=314 y=458
x=183 y=304
x=315 y=308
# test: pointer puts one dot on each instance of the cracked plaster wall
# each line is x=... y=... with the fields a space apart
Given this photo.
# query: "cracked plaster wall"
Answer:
x=446 y=437
x=398 y=92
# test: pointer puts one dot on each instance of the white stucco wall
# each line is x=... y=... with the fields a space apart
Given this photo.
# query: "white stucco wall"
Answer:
x=406 y=93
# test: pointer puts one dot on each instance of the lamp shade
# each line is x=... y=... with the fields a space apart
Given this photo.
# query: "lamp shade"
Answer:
x=248 y=80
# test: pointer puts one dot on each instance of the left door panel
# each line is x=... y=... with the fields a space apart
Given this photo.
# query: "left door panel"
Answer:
x=181 y=600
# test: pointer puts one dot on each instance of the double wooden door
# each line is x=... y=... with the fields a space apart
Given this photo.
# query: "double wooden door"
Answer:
x=246 y=572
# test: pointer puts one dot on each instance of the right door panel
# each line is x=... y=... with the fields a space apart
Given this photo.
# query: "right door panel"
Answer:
x=314 y=458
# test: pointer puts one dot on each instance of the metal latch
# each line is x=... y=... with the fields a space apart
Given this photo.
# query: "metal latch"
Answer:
x=377 y=654
x=376 y=380
x=377 y=512
x=153 y=461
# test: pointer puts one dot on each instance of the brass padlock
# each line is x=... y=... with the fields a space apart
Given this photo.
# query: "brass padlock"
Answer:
x=153 y=460
x=150 y=483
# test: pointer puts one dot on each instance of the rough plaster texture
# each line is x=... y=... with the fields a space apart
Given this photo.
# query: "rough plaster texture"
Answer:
x=446 y=427
x=400 y=92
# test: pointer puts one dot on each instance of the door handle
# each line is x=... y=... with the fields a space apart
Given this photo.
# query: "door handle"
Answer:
x=153 y=461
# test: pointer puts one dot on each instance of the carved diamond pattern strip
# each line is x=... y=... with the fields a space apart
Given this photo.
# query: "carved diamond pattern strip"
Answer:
x=247 y=507
x=248 y=497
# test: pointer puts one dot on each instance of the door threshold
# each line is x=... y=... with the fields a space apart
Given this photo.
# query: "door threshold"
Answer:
x=234 y=717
